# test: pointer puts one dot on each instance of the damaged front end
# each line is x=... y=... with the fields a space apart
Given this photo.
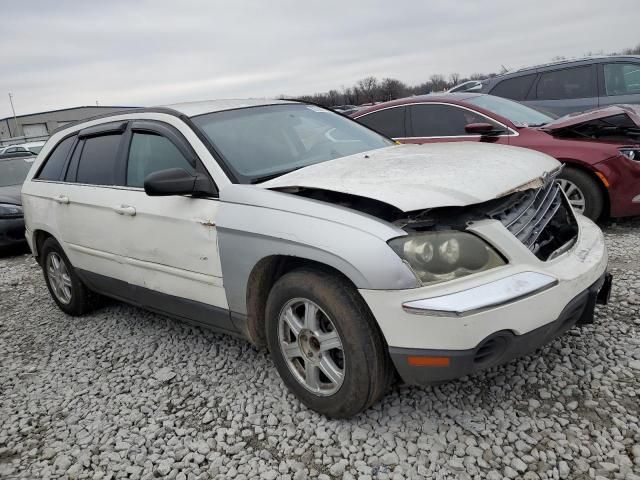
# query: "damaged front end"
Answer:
x=537 y=213
x=617 y=124
x=540 y=217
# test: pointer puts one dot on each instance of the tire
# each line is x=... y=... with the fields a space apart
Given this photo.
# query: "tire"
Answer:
x=366 y=370
x=577 y=183
x=80 y=298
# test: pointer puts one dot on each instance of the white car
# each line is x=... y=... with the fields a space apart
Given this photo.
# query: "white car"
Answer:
x=31 y=148
x=352 y=259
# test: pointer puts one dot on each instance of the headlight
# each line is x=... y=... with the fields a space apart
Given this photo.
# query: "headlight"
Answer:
x=631 y=153
x=8 y=210
x=440 y=256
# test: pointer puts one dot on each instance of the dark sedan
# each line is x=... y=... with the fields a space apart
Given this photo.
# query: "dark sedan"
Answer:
x=13 y=171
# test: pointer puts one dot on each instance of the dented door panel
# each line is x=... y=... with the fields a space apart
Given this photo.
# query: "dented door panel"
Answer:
x=171 y=245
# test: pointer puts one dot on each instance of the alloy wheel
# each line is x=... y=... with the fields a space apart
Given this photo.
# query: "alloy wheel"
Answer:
x=59 y=278
x=311 y=346
x=574 y=195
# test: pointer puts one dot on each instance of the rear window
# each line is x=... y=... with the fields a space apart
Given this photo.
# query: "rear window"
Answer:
x=389 y=122
x=514 y=88
x=55 y=161
x=577 y=82
x=98 y=161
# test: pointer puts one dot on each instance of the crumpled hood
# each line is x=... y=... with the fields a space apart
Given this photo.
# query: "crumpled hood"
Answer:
x=579 y=118
x=416 y=177
x=11 y=194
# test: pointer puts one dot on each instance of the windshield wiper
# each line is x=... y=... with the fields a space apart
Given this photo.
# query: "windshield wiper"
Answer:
x=274 y=175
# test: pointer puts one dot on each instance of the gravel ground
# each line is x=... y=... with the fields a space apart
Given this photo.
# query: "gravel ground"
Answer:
x=123 y=393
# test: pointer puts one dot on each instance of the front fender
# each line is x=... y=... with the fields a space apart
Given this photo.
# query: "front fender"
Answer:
x=351 y=242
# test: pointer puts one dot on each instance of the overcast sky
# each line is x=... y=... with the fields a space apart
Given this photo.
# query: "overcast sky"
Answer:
x=57 y=54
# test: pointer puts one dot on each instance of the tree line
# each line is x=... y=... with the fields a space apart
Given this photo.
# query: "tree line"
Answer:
x=371 y=89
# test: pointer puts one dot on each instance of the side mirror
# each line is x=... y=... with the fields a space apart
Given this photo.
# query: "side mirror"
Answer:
x=177 y=181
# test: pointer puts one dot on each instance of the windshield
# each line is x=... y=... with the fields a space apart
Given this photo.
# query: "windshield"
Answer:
x=259 y=143
x=520 y=115
x=14 y=171
x=35 y=149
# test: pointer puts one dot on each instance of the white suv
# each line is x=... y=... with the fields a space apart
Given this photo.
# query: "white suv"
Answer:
x=352 y=259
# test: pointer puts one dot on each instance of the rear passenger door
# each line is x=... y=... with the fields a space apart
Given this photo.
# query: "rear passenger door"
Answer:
x=566 y=90
x=87 y=202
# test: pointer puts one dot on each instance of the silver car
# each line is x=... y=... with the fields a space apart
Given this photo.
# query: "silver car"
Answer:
x=572 y=85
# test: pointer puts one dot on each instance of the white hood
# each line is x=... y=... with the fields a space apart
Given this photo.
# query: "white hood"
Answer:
x=415 y=177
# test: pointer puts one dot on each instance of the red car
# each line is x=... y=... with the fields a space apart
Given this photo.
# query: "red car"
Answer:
x=600 y=148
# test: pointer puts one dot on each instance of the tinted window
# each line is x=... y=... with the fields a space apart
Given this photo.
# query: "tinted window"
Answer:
x=514 y=88
x=389 y=122
x=149 y=153
x=622 y=78
x=435 y=120
x=98 y=160
x=56 y=160
x=569 y=83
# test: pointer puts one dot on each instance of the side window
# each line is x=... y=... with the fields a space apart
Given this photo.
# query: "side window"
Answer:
x=514 y=88
x=622 y=78
x=54 y=163
x=435 y=120
x=389 y=122
x=577 y=82
x=150 y=153
x=98 y=161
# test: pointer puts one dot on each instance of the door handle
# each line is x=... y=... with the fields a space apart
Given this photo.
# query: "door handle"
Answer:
x=62 y=199
x=125 y=210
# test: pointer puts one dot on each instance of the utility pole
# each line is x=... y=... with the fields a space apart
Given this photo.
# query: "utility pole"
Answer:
x=15 y=120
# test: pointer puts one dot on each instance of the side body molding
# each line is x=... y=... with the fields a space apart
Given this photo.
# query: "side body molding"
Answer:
x=254 y=223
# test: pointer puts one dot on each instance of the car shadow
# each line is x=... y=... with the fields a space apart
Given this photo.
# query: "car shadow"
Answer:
x=14 y=250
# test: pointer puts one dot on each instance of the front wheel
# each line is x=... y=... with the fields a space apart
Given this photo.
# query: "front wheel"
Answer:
x=326 y=344
x=584 y=194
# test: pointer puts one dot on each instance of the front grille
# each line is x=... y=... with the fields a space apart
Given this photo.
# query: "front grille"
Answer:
x=541 y=219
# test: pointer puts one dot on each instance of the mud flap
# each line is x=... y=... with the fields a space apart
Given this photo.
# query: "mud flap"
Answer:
x=599 y=293
x=605 y=292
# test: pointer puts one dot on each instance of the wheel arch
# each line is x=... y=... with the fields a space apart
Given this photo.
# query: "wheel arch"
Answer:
x=39 y=237
x=263 y=276
x=589 y=170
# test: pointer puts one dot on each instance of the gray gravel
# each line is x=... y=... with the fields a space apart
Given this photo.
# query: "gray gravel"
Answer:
x=123 y=393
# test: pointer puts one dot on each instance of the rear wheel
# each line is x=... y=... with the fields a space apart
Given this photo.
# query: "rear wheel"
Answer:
x=326 y=344
x=584 y=194
x=66 y=288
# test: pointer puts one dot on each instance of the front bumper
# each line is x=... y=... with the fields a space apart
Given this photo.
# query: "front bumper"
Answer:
x=11 y=232
x=498 y=348
x=463 y=330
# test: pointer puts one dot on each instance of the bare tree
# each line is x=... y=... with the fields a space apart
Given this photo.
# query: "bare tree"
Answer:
x=438 y=82
x=333 y=97
x=391 y=88
x=368 y=87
